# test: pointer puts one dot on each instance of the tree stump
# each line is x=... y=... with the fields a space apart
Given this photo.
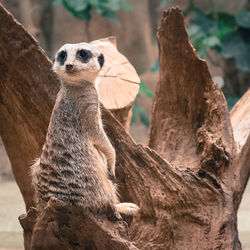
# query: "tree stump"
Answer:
x=118 y=82
x=188 y=182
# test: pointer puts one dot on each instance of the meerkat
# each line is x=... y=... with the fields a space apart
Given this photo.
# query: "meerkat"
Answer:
x=70 y=167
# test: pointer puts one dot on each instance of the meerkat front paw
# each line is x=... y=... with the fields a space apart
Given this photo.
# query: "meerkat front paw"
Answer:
x=111 y=172
x=111 y=164
x=127 y=208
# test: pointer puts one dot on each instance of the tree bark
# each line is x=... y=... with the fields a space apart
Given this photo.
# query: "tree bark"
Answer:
x=62 y=227
x=188 y=182
x=28 y=89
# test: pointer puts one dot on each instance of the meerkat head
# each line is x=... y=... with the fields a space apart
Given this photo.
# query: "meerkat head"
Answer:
x=76 y=63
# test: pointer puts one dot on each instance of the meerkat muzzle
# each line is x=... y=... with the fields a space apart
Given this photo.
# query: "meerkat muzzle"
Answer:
x=69 y=67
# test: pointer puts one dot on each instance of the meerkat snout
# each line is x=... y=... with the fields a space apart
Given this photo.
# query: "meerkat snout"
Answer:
x=69 y=67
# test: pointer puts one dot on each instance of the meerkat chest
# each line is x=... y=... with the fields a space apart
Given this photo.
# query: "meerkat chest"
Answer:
x=76 y=116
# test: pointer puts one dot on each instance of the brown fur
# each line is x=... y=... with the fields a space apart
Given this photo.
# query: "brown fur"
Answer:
x=77 y=163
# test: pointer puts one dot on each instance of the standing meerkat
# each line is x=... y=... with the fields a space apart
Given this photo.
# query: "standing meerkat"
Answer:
x=70 y=167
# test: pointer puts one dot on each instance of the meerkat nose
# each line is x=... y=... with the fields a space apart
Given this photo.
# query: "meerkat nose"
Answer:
x=69 y=67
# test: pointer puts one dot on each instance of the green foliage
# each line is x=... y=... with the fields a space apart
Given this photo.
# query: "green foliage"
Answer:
x=82 y=9
x=228 y=34
x=145 y=91
x=231 y=101
x=243 y=19
x=138 y=111
x=156 y=66
x=239 y=49
x=205 y=32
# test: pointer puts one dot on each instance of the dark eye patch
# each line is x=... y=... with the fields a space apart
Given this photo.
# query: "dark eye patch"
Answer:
x=62 y=56
x=84 y=55
x=101 y=60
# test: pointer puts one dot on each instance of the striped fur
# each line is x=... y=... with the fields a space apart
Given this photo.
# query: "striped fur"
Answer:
x=70 y=167
x=77 y=161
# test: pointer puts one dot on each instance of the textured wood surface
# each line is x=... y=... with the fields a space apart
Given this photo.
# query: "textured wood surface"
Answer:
x=28 y=89
x=188 y=108
x=188 y=182
x=63 y=227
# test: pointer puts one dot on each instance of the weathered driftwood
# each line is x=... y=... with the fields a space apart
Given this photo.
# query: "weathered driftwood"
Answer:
x=26 y=99
x=63 y=227
x=188 y=182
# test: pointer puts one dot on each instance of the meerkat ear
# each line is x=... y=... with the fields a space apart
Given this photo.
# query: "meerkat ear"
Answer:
x=101 y=60
x=53 y=60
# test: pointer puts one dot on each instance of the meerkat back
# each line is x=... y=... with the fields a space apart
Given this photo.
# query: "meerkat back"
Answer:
x=70 y=167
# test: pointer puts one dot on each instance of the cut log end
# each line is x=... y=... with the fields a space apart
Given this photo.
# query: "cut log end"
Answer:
x=118 y=83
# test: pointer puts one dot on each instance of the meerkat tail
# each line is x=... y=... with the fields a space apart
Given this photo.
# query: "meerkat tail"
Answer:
x=127 y=208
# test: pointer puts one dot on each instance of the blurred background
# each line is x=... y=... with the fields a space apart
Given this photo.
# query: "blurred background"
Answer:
x=218 y=29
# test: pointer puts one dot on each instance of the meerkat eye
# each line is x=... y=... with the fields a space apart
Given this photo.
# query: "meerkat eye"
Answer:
x=101 y=60
x=84 y=55
x=61 y=58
